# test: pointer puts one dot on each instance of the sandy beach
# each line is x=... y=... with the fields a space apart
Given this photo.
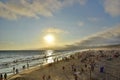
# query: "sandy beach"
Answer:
x=86 y=65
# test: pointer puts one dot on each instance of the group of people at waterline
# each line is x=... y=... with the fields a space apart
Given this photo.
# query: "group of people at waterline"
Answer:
x=15 y=71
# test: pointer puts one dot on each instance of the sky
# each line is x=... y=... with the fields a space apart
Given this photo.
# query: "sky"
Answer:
x=25 y=23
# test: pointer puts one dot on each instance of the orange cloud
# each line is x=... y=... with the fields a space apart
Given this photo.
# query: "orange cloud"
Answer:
x=54 y=30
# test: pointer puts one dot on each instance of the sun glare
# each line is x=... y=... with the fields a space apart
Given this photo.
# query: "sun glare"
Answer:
x=49 y=38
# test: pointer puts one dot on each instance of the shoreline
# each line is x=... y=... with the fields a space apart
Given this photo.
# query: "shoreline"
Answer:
x=56 y=72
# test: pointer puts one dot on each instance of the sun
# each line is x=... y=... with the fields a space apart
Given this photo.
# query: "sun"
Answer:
x=49 y=38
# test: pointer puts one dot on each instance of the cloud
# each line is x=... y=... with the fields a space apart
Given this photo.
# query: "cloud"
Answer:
x=112 y=7
x=111 y=36
x=71 y=2
x=54 y=30
x=93 y=19
x=13 y=9
x=82 y=2
x=81 y=24
x=5 y=13
x=108 y=37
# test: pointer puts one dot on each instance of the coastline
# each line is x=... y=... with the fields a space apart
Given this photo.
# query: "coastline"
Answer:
x=61 y=70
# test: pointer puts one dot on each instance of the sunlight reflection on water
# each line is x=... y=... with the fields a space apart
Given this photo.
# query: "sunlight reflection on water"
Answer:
x=49 y=55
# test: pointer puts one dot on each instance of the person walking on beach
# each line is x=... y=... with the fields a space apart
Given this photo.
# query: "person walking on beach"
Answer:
x=13 y=70
x=23 y=67
x=49 y=77
x=43 y=77
x=5 y=76
x=101 y=69
x=27 y=65
x=92 y=66
x=76 y=78
x=1 y=77
x=73 y=67
x=63 y=68
x=17 y=71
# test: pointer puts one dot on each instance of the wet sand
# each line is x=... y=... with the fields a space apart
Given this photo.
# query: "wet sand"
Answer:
x=77 y=67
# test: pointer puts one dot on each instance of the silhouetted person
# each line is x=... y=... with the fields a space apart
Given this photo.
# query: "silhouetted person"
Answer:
x=43 y=77
x=102 y=69
x=1 y=77
x=63 y=68
x=72 y=66
x=92 y=67
x=23 y=67
x=5 y=76
x=14 y=70
x=82 y=70
x=74 y=70
x=27 y=65
x=49 y=77
x=85 y=65
x=76 y=78
x=17 y=71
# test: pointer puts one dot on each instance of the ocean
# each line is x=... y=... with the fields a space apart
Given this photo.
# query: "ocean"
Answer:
x=18 y=59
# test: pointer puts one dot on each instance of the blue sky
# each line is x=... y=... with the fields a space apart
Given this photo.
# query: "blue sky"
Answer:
x=24 y=23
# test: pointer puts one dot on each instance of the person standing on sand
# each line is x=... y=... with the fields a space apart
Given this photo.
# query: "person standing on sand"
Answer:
x=72 y=66
x=27 y=65
x=49 y=77
x=17 y=71
x=63 y=68
x=13 y=70
x=1 y=77
x=43 y=77
x=101 y=69
x=92 y=66
x=5 y=76
x=76 y=78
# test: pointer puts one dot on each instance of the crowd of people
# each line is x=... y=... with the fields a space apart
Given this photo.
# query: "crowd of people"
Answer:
x=82 y=63
x=89 y=61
